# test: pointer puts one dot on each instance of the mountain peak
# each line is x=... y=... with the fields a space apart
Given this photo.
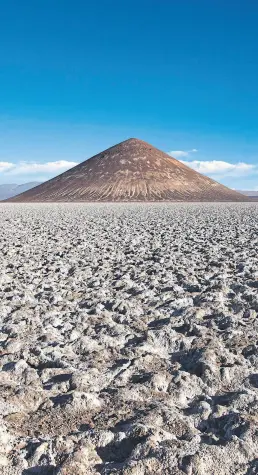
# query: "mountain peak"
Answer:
x=134 y=139
x=132 y=170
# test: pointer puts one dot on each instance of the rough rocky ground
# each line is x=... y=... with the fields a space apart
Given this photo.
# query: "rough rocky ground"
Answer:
x=129 y=339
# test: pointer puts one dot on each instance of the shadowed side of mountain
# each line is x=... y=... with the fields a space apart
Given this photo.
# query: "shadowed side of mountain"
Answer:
x=132 y=170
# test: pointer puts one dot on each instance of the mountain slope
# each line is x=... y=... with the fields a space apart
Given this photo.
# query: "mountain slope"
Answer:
x=131 y=171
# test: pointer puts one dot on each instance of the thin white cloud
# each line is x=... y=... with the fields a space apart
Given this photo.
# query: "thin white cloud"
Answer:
x=221 y=168
x=214 y=168
x=182 y=153
x=5 y=166
x=33 y=168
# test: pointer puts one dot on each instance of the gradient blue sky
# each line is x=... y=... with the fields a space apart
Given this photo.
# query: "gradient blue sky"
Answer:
x=78 y=76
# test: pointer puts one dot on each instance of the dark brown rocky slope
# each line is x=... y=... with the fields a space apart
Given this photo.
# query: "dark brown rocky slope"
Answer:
x=130 y=171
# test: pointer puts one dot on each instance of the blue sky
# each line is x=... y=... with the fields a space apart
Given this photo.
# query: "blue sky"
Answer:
x=77 y=77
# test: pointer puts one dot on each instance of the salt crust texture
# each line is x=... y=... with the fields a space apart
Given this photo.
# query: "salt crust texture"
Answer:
x=129 y=339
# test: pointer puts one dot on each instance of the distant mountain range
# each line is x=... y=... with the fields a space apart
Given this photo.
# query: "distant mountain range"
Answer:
x=12 y=189
x=251 y=194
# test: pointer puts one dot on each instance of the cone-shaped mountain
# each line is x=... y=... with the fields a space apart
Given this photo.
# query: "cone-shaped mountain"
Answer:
x=130 y=171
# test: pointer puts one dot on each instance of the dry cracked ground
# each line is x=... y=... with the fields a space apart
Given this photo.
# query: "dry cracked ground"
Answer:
x=129 y=339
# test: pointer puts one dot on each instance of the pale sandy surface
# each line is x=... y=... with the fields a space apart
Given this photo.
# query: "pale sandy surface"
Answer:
x=129 y=339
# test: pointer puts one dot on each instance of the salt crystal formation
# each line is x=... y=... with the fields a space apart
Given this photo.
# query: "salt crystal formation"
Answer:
x=129 y=339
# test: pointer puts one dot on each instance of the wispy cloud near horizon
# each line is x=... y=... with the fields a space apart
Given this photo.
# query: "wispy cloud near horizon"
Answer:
x=221 y=168
x=6 y=166
x=215 y=168
x=34 y=168
x=182 y=153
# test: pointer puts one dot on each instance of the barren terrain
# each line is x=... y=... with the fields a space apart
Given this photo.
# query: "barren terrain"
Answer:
x=129 y=339
x=132 y=170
